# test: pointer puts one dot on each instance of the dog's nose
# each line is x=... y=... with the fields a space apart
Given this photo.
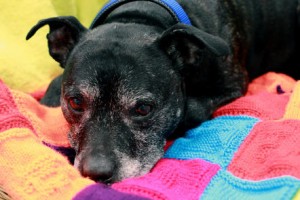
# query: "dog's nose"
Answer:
x=98 y=169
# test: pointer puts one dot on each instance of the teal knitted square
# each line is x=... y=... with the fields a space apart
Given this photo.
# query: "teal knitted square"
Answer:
x=226 y=186
x=215 y=141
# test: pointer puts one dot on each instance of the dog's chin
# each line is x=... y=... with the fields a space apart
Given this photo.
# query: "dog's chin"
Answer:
x=131 y=168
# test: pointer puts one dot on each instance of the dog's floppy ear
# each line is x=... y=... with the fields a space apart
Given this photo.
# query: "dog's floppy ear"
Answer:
x=187 y=43
x=64 y=33
x=205 y=63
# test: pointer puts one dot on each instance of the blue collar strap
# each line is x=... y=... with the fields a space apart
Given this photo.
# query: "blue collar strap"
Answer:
x=171 y=6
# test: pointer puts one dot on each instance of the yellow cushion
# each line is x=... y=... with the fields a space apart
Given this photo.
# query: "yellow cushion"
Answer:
x=26 y=65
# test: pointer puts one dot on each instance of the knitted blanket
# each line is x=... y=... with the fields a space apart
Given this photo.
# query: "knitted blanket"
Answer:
x=248 y=150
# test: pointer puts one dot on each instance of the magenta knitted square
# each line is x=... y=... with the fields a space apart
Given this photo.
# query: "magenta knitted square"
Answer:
x=172 y=179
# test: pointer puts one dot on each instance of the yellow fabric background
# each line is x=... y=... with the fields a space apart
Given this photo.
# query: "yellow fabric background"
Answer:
x=26 y=65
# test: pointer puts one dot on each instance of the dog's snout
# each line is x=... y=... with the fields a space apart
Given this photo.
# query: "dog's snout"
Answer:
x=98 y=169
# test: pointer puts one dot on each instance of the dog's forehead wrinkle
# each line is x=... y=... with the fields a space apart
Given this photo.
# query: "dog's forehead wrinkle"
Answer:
x=85 y=87
x=89 y=89
x=130 y=96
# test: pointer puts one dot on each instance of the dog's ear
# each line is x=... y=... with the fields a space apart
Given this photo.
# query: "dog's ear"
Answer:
x=209 y=74
x=64 y=33
x=187 y=43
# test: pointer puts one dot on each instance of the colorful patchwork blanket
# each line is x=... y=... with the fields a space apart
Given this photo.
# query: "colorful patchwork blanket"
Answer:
x=248 y=150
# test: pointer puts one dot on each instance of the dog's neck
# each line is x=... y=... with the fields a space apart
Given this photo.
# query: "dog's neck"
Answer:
x=151 y=12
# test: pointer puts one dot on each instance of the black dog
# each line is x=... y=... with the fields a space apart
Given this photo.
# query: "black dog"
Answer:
x=141 y=73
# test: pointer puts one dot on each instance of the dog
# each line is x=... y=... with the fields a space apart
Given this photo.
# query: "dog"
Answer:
x=147 y=70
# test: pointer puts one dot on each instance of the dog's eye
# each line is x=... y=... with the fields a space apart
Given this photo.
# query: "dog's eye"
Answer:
x=143 y=109
x=77 y=104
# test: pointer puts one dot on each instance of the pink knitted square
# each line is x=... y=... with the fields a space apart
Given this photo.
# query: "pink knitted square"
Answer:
x=263 y=106
x=172 y=179
x=10 y=117
x=269 y=151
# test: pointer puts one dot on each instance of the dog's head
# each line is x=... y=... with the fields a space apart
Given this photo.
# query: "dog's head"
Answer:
x=126 y=88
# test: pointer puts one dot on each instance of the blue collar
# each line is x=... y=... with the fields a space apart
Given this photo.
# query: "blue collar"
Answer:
x=171 y=6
